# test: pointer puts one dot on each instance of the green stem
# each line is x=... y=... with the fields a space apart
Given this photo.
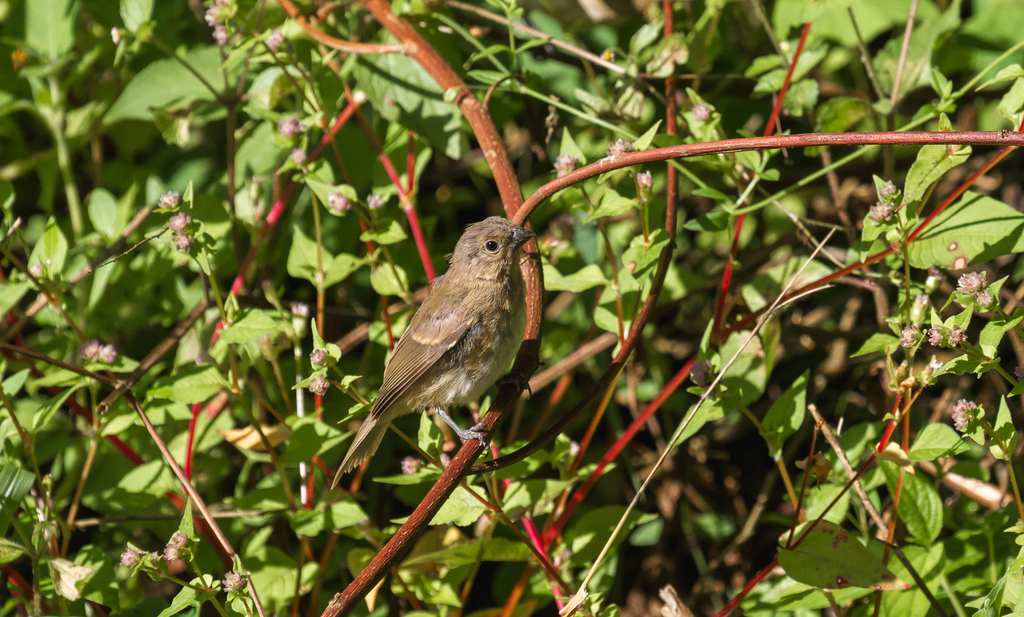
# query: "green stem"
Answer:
x=1009 y=463
x=750 y=416
x=906 y=280
x=214 y=288
x=55 y=120
x=213 y=600
x=351 y=392
x=957 y=607
x=991 y=65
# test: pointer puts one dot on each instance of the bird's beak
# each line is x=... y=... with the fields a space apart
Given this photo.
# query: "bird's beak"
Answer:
x=520 y=236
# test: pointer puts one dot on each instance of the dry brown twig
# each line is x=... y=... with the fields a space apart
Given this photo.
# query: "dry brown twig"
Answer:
x=837 y=448
x=186 y=485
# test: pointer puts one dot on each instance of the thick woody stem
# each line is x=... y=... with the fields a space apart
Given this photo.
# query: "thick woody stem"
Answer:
x=526 y=363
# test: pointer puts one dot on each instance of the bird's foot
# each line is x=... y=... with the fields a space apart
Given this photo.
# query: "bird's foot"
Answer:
x=475 y=432
x=515 y=378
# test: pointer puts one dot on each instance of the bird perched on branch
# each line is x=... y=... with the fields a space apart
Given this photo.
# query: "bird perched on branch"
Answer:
x=460 y=341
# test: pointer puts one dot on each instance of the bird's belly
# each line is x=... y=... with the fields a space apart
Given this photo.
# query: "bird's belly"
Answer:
x=468 y=370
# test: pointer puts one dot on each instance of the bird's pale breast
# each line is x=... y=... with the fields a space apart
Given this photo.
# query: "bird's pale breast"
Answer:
x=482 y=356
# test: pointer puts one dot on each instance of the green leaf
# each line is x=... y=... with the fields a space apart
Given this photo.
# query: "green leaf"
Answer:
x=10 y=550
x=339 y=515
x=252 y=324
x=135 y=13
x=1012 y=102
x=595 y=103
x=192 y=384
x=644 y=141
x=530 y=494
x=1005 y=430
x=771 y=81
x=390 y=233
x=828 y=501
x=187 y=525
x=801 y=95
x=716 y=220
x=991 y=604
x=879 y=341
x=828 y=558
x=166 y=83
x=15 y=483
x=1007 y=73
x=711 y=193
x=429 y=437
x=460 y=510
x=389 y=279
x=51 y=250
x=302 y=261
x=43 y=415
x=669 y=52
x=975 y=229
x=341 y=267
x=103 y=213
x=274 y=573
x=936 y=440
x=992 y=334
x=920 y=507
x=402 y=91
x=50 y=26
x=269 y=87
x=612 y=204
x=11 y=292
x=840 y=113
x=190 y=596
x=310 y=437
x=785 y=416
x=762 y=64
x=583 y=279
x=630 y=104
x=932 y=162
x=644 y=254
x=6 y=194
x=570 y=147
x=919 y=51
x=587 y=536
x=466 y=553
x=646 y=35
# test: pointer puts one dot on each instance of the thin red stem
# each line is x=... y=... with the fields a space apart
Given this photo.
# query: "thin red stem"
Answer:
x=273 y=217
x=771 y=566
x=777 y=108
x=749 y=319
x=410 y=164
x=866 y=138
x=555 y=529
x=772 y=119
x=403 y=196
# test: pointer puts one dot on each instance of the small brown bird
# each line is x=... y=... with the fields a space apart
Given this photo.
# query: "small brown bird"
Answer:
x=460 y=341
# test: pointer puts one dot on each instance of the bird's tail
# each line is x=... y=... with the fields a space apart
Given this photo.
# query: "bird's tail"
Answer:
x=364 y=445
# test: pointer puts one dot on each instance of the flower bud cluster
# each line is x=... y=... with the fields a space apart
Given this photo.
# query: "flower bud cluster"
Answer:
x=98 y=352
x=974 y=284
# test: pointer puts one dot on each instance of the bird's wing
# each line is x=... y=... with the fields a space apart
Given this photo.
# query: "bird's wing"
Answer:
x=429 y=336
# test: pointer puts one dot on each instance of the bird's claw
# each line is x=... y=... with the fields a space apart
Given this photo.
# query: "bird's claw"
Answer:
x=518 y=379
x=475 y=432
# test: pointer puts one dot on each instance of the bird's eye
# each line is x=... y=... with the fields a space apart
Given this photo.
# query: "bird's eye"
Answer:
x=491 y=246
